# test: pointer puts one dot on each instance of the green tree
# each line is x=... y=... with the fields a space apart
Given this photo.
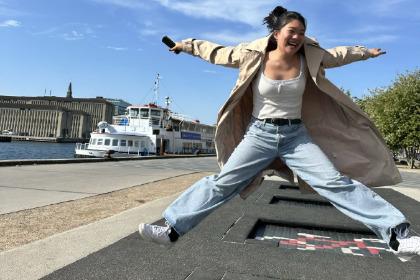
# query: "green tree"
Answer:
x=396 y=112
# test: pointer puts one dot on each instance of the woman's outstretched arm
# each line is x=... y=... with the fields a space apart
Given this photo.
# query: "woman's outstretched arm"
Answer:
x=339 y=56
x=211 y=52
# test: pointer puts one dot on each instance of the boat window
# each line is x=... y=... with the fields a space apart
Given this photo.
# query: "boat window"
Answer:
x=134 y=112
x=114 y=142
x=142 y=144
x=156 y=113
x=100 y=141
x=155 y=121
x=94 y=141
x=123 y=142
x=136 y=144
x=144 y=113
x=130 y=143
x=197 y=145
x=107 y=142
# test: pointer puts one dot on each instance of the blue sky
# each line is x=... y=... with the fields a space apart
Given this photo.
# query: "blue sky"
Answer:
x=112 y=48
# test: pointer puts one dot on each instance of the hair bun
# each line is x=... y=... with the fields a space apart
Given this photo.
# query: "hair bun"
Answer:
x=279 y=17
x=273 y=19
x=278 y=11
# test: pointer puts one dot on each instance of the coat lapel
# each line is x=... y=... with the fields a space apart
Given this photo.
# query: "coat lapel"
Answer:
x=313 y=54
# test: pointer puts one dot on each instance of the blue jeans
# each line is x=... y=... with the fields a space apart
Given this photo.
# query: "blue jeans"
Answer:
x=263 y=143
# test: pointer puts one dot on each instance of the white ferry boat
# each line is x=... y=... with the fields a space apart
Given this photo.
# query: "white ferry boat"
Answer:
x=149 y=130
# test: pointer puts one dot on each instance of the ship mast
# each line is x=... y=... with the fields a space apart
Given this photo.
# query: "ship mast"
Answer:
x=156 y=89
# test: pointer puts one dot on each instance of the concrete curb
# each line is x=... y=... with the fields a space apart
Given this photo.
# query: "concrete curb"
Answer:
x=87 y=160
x=42 y=257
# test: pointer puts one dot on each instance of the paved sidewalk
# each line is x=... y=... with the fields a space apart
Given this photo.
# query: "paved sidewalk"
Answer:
x=29 y=186
x=222 y=247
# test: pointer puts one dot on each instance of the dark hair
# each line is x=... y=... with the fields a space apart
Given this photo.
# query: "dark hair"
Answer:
x=279 y=17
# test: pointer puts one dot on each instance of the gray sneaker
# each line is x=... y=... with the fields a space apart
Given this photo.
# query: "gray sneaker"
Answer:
x=155 y=233
x=408 y=248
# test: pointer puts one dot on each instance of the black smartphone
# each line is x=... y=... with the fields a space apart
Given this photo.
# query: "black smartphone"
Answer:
x=167 y=41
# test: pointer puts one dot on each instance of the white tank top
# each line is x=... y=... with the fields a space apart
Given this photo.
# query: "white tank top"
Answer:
x=278 y=98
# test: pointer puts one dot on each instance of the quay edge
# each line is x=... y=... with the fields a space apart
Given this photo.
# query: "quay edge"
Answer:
x=87 y=160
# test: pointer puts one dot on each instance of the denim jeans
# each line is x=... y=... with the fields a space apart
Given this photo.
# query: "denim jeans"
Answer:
x=262 y=143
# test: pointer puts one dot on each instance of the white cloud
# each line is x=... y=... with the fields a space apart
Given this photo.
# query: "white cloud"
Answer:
x=132 y=4
x=10 y=23
x=210 y=71
x=48 y=31
x=148 y=28
x=384 y=8
x=385 y=38
x=377 y=39
x=117 y=48
x=72 y=31
x=9 y=12
x=73 y=36
x=231 y=37
x=250 y=12
x=373 y=29
x=149 y=32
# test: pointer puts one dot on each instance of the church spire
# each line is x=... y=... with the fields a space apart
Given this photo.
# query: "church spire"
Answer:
x=69 y=92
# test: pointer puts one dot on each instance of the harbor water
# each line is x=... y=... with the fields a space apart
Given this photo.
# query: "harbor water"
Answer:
x=35 y=150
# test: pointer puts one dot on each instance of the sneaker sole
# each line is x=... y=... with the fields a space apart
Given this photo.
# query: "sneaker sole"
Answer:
x=141 y=230
x=147 y=238
x=406 y=258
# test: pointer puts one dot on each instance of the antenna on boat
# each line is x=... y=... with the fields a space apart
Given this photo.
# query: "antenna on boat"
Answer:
x=156 y=89
x=167 y=101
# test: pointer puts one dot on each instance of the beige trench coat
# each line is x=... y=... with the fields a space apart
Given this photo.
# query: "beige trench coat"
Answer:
x=341 y=129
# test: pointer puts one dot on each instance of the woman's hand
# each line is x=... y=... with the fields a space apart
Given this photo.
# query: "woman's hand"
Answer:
x=177 y=48
x=375 y=52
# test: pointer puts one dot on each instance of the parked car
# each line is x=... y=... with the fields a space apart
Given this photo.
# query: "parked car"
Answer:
x=8 y=132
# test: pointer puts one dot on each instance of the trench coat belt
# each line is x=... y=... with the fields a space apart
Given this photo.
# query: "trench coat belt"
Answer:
x=281 y=121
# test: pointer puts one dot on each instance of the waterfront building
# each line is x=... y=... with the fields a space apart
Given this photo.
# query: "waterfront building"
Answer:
x=97 y=108
x=120 y=106
x=43 y=122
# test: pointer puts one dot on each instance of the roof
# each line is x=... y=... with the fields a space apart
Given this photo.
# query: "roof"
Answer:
x=55 y=98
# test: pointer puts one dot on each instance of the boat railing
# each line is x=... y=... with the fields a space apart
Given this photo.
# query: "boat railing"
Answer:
x=82 y=146
x=133 y=151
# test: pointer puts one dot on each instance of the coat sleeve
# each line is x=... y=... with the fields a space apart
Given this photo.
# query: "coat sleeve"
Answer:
x=213 y=53
x=339 y=56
